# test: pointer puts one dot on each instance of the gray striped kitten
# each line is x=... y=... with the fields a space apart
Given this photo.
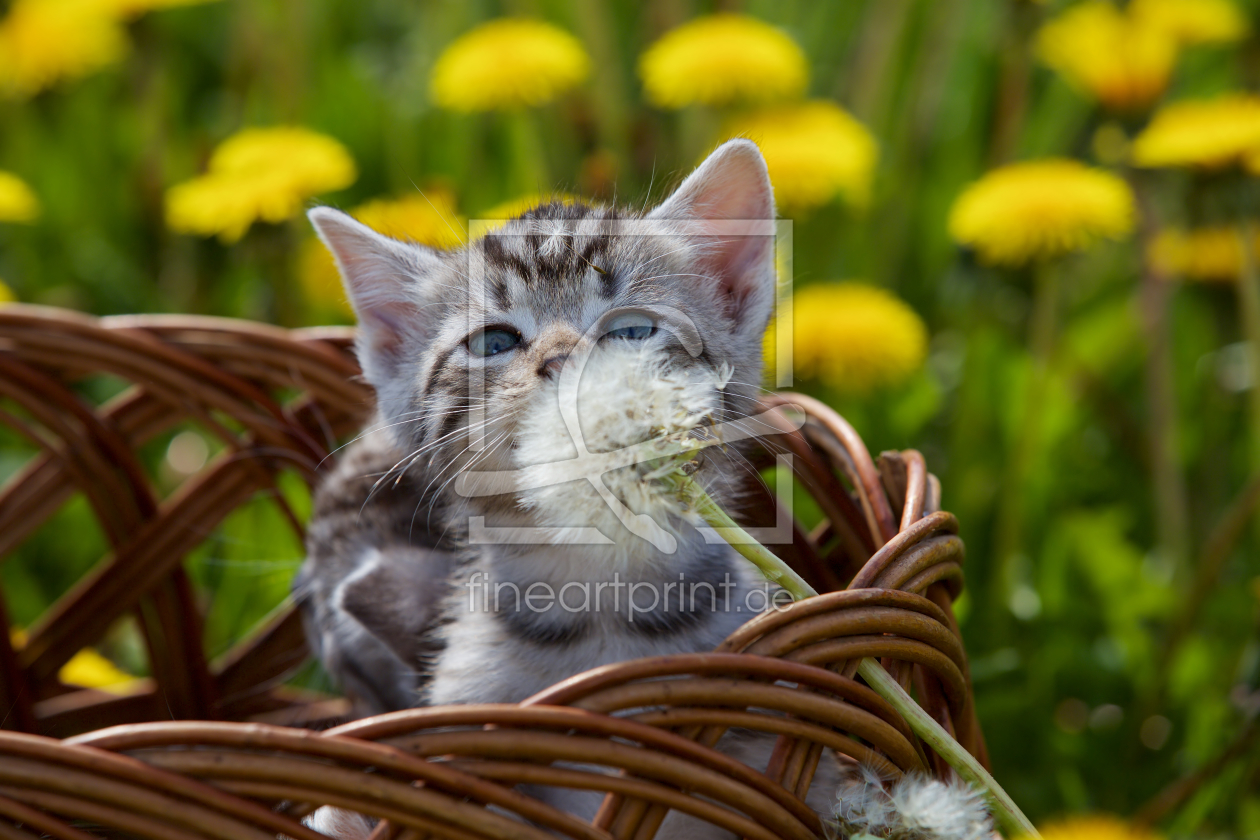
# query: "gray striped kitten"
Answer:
x=459 y=552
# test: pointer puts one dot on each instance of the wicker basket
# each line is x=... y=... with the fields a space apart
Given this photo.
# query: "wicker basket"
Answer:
x=642 y=732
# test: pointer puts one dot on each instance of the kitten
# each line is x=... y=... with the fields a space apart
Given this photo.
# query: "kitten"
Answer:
x=461 y=552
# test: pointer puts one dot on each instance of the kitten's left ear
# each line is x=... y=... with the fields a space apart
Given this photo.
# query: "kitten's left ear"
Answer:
x=385 y=281
x=732 y=184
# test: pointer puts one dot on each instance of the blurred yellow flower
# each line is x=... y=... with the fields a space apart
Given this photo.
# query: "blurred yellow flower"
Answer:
x=430 y=220
x=815 y=150
x=1206 y=254
x=720 y=60
x=1094 y=827
x=1192 y=21
x=514 y=207
x=6 y=294
x=17 y=202
x=1112 y=57
x=853 y=337
x=1038 y=210
x=45 y=41
x=134 y=8
x=1207 y=133
x=258 y=174
x=86 y=669
x=508 y=63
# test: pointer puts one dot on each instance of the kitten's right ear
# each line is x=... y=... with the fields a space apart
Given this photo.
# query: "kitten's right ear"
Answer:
x=383 y=279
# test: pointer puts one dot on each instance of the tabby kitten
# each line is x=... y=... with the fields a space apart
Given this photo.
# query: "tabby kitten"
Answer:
x=449 y=559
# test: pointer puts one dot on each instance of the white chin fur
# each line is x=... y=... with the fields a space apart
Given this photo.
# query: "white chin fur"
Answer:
x=625 y=396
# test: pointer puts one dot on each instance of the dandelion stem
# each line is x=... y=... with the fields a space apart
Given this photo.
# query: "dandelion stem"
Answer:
x=1010 y=527
x=1005 y=811
x=1249 y=304
x=774 y=569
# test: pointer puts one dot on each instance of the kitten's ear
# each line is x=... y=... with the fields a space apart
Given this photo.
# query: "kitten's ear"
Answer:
x=383 y=279
x=732 y=184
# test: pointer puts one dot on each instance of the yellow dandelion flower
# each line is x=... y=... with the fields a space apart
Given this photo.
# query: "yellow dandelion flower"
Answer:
x=1207 y=133
x=43 y=42
x=1193 y=21
x=514 y=207
x=722 y=59
x=1095 y=827
x=1038 y=210
x=429 y=221
x=814 y=150
x=506 y=64
x=88 y=669
x=1206 y=254
x=134 y=8
x=17 y=202
x=1108 y=55
x=258 y=174
x=6 y=294
x=853 y=337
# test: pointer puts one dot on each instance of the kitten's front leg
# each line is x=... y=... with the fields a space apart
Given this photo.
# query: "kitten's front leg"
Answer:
x=370 y=627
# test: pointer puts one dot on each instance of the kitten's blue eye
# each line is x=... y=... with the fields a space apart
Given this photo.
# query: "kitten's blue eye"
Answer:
x=492 y=342
x=632 y=325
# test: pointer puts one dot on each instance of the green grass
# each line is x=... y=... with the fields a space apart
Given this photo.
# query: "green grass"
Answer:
x=1096 y=596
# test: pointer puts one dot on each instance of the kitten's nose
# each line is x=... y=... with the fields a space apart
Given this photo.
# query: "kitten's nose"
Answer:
x=552 y=366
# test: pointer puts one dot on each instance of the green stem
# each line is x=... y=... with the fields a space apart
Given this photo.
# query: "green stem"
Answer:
x=1169 y=487
x=529 y=175
x=1043 y=327
x=774 y=569
x=1249 y=303
x=1005 y=811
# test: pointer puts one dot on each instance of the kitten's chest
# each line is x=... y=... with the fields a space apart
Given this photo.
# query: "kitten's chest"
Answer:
x=492 y=657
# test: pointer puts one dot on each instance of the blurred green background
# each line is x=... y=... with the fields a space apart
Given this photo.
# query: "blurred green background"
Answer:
x=1112 y=611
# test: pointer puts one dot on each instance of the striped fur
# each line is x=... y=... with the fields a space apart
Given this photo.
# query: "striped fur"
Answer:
x=387 y=586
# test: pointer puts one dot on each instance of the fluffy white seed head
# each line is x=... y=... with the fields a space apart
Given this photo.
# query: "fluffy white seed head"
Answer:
x=633 y=412
x=915 y=807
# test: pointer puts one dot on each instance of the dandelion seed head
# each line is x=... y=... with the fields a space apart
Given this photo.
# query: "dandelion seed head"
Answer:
x=915 y=807
x=943 y=810
x=627 y=395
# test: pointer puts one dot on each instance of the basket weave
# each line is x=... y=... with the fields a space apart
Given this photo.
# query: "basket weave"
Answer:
x=886 y=558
